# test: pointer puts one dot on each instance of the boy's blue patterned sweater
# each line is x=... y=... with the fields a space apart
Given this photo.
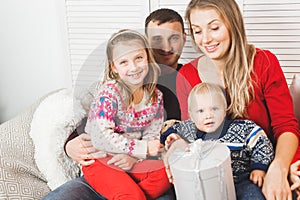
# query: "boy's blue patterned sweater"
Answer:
x=249 y=145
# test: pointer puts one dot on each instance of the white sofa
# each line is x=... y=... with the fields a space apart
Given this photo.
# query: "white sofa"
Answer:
x=20 y=177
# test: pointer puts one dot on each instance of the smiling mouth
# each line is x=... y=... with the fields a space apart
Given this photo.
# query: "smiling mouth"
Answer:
x=136 y=74
x=211 y=48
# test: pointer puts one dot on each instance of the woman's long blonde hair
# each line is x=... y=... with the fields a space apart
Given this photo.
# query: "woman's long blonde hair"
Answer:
x=239 y=64
x=126 y=35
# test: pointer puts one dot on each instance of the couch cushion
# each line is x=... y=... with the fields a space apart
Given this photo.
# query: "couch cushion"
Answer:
x=19 y=175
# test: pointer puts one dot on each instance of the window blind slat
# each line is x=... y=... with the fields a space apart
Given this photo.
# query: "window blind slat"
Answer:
x=275 y=25
x=90 y=23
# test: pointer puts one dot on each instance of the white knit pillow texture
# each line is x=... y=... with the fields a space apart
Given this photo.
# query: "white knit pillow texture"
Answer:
x=53 y=121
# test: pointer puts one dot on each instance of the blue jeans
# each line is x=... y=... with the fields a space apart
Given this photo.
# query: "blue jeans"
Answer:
x=245 y=189
x=79 y=189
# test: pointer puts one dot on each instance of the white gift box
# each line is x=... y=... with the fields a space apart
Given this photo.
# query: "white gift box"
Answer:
x=203 y=173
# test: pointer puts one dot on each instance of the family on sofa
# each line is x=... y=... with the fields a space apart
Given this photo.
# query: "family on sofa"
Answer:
x=33 y=161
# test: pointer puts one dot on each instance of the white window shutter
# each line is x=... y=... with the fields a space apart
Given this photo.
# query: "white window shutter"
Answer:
x=90 y=23
x=275 y=25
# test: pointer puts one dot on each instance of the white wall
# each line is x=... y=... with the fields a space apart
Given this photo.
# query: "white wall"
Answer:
x=33 y=53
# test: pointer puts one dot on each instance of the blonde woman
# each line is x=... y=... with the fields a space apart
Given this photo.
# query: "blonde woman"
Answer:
x=256 y=86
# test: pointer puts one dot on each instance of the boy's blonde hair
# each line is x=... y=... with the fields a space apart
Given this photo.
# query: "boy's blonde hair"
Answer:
x=150 y=80
x=206 y=88
x=239 y=64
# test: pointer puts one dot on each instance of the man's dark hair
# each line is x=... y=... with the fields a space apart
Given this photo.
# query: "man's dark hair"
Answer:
x=162 y=16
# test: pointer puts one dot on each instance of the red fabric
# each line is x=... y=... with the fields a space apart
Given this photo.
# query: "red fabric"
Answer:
x=147 y=180
x=272 y=107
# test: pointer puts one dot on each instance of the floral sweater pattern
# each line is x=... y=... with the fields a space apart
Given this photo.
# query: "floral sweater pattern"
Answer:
x=118 y=128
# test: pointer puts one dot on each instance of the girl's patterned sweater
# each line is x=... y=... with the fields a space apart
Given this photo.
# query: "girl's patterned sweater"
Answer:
x=118 y=128
x=249 y=145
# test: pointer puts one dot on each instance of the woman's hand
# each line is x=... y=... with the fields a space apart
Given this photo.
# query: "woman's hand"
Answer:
x=276 y=185
x=122 y=161
x=295 y=178
x=80 y=149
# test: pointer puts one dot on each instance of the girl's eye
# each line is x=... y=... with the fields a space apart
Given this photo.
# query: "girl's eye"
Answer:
x=215 y=108
x=139 y=57
x=123 y=62
x=215 y=28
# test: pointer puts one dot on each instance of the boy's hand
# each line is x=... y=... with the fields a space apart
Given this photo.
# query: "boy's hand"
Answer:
x=170 y=139
x=257 y=177
x=177 y=144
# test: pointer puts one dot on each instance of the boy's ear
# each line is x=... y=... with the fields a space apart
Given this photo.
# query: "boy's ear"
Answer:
x=190 y=115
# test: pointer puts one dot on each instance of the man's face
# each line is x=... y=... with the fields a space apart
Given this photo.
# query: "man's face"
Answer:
x=167 y=41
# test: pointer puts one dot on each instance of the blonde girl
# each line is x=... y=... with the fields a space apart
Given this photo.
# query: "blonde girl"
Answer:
x=124 y=122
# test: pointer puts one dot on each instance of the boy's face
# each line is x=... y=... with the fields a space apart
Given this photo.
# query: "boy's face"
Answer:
x=207 y=111
x=167 y=41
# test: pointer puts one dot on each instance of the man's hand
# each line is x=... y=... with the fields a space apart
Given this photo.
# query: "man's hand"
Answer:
x=80 y=149
x=122 y=161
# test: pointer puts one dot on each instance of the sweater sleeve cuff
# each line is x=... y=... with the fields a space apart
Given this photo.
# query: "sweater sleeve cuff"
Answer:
x=165 y=134
x=259 y=166
x=138 y=148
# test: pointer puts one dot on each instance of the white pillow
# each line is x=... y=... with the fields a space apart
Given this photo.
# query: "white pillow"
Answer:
x=53 y=121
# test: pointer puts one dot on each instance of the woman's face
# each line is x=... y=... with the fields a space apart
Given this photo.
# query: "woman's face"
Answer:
x=210 y=33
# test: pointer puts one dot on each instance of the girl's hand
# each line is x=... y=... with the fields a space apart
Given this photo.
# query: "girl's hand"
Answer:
x=154 y=148
x=80 y=149
x=170 y=139
x=257 y=177
x=122 y=161
x=295 y=178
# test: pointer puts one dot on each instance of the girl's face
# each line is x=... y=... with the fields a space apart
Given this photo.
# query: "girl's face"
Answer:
x=130 y=61
x=210 y=32
x=208 y=111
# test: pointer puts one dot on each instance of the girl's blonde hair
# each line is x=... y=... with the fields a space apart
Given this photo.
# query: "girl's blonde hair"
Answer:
x=206 y=88
x=239 y=64
x=150 y=80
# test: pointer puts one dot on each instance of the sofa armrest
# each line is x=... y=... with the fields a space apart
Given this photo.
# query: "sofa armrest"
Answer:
x=20 y=177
